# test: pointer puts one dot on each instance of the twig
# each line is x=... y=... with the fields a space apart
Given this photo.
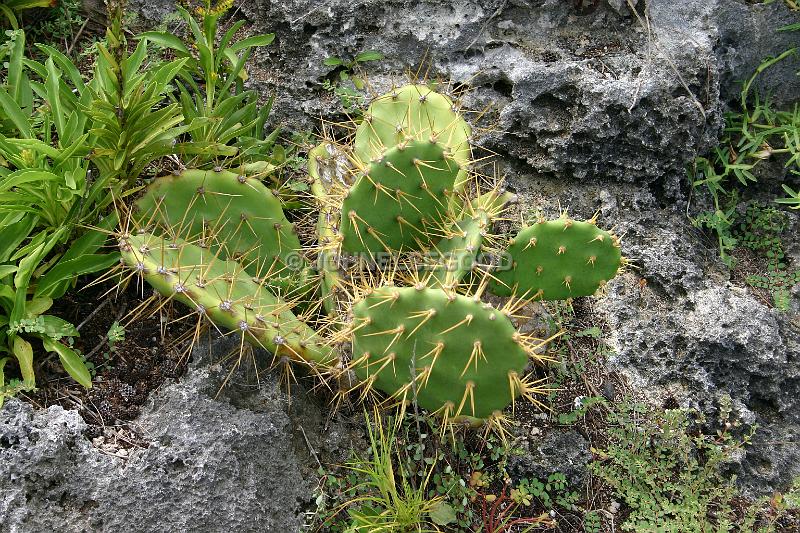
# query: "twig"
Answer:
x=308 y=444
x=77 y=36
x=485 y=24
x=91 y=315
x=105 y=340
x=654 y=41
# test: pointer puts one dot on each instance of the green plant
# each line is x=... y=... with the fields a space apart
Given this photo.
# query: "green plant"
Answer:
x=670 y=473
x=224 y=292
x=219 y=110
x=62 y=25
x=346 y=69
x=54 y=186
x=569 y=259
x=407 y=194
x=754 y=134
x=12 y=8
x=233 y=215
x=388 y=499
x=760 y=231
x=47 y=194
x=131 y=129
x=351 y=98
x=456 y=476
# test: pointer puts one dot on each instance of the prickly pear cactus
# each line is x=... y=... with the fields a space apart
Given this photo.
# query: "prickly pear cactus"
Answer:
x=558 y=259
x=417 y=327
x=456 y=253
x=401 y=197
x=234 y=215
x=456 y=355
x=413 y=112
x=223 y=292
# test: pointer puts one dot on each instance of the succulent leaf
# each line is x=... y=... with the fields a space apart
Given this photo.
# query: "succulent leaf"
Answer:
x=403 y=195
x=234 y=215
x=223 y=292
x=558 y=259
x=460 y=353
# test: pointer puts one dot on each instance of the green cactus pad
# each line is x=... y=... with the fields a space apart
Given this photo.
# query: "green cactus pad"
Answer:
x=478 y=350
x=223 y=292
x=412 y=112
x=557 y=260
x=456 y=252
x=402 y=195
x=230 y=211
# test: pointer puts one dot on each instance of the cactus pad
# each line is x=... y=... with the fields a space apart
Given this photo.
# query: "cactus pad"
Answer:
x=464 y=354
x=403 y=194
x=223 y=292
x=219 y=206
x=456 y=252
x=558 y=259
x=412 y=112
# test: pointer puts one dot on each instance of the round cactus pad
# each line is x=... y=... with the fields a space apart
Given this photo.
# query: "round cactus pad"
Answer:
x=412 y=112
x=460 y=351
x=400 y=198
x=557 y=260
x=222 y=209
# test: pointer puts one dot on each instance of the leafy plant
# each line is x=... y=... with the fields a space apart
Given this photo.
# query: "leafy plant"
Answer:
x=760 y=231
x=755 y=133
x=11 y=9
x=221 y=112
x=345 y=71
x=387 y=498
x=670 y=473
x=44 y=186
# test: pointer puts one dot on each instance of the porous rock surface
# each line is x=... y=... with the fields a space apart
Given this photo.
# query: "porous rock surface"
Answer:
x=555 y=450
x=237 y=462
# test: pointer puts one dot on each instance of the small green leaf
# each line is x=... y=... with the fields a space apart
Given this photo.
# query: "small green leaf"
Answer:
x=250 y=42
x=369 y=55
x=333 y=62
x=23 y=351
x=3 y=362
x=71 y=362
x=5 y=270
x=442 y=514
x=37 y=306
x=297 y=186
x=166 y=40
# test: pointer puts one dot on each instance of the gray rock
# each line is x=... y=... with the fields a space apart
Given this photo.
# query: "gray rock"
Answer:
x=554 y=450
x=239 y=462
x=582 y=96
x=716 y=341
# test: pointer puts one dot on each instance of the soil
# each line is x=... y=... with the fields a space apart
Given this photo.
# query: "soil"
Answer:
x=151 y=353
